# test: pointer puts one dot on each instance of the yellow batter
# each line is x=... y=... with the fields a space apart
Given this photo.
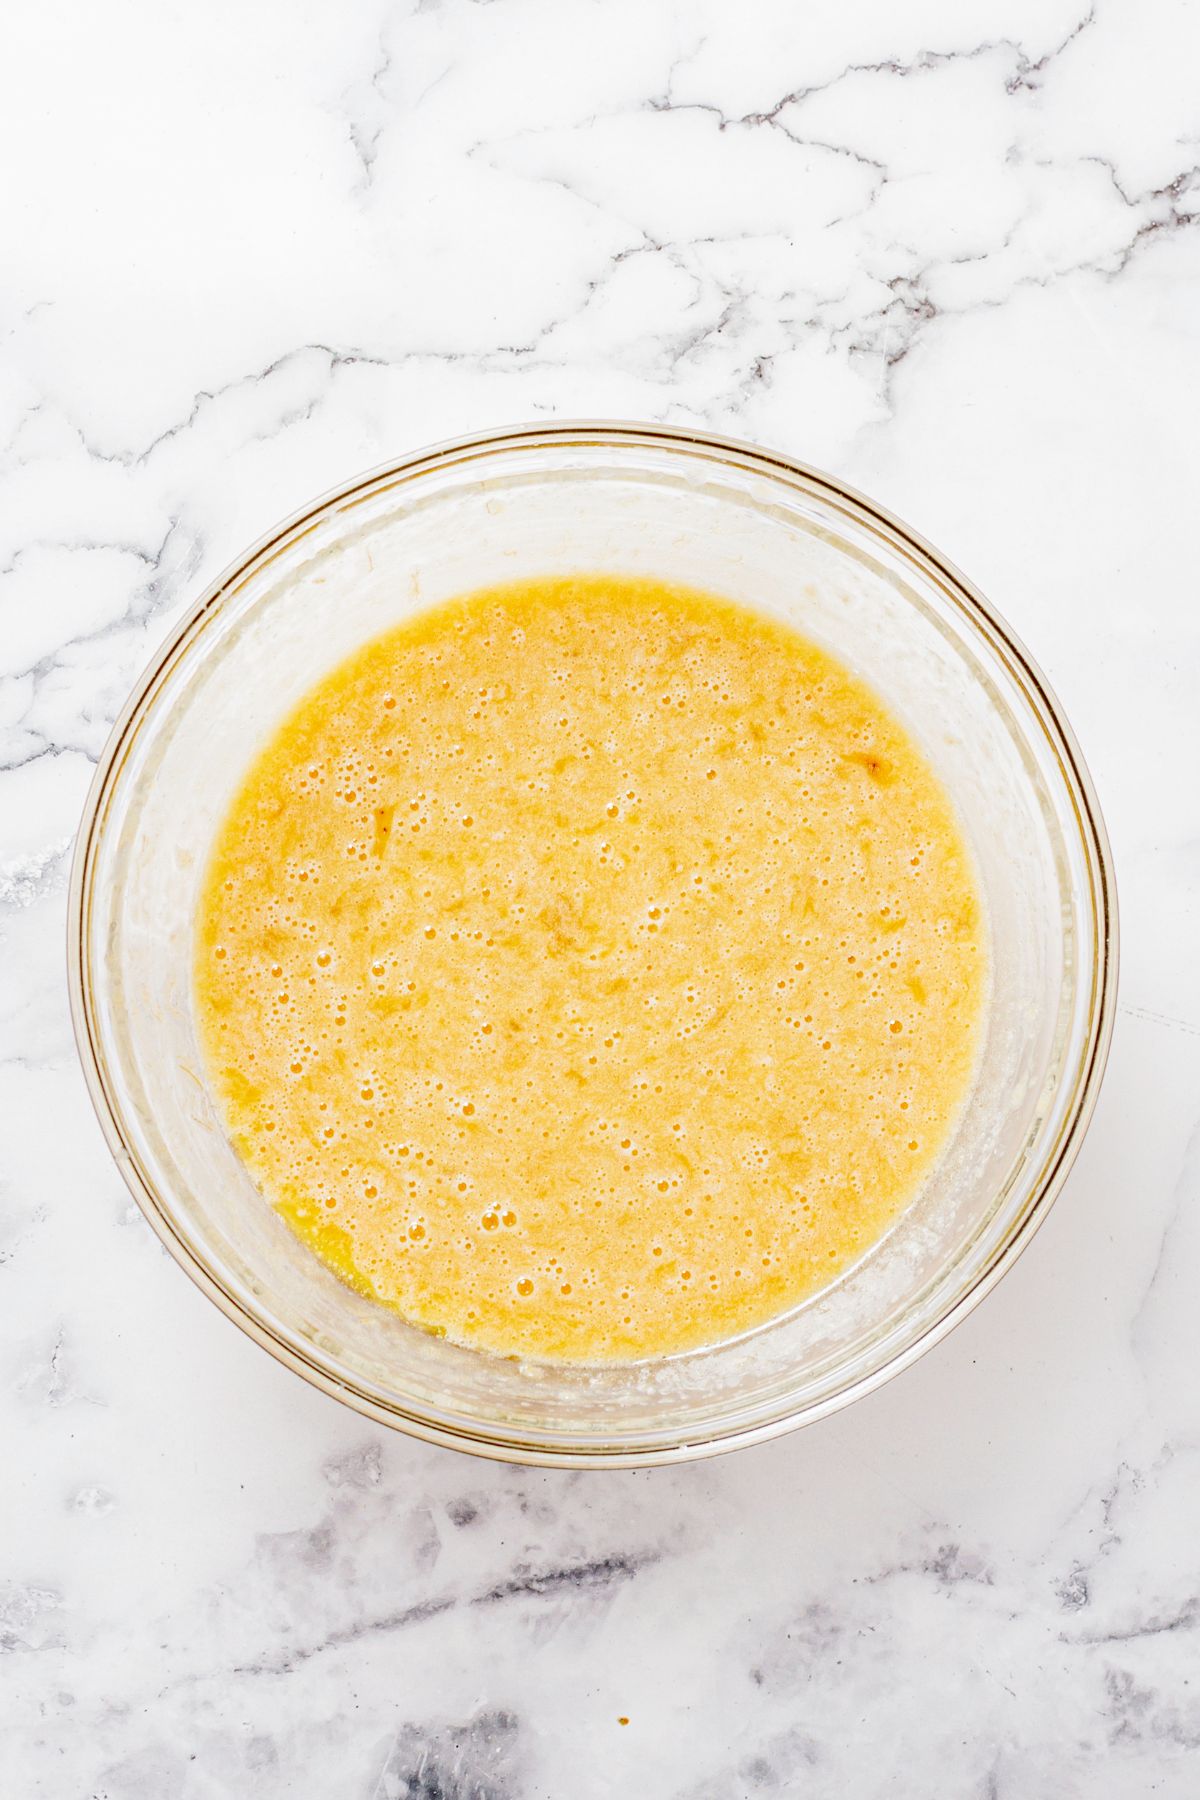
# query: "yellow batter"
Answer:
x=590 y=969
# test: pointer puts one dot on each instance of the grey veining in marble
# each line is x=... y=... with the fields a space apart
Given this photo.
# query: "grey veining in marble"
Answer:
x=947 y=249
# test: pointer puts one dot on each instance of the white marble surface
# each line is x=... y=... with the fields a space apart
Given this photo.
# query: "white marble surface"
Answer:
x=945 y=249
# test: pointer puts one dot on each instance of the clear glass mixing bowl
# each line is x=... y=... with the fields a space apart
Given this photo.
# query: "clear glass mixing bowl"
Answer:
x=763 y=530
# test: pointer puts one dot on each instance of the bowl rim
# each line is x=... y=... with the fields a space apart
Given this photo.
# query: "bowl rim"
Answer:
x=979 y=613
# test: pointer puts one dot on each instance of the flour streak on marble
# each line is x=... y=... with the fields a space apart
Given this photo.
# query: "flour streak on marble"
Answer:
x=946 y=249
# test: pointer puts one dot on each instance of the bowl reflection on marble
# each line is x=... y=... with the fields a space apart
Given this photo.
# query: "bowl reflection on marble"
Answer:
x=718 y=515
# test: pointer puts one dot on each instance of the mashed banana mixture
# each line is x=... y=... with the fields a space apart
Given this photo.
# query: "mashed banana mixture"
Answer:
x=590 y=969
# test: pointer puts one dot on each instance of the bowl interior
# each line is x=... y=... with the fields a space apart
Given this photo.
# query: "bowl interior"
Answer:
x=778 y=539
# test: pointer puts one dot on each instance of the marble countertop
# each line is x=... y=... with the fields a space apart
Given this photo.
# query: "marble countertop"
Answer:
x=945 y=249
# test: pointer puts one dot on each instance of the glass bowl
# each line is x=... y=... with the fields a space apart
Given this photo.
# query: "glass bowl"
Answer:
x=720 y=515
